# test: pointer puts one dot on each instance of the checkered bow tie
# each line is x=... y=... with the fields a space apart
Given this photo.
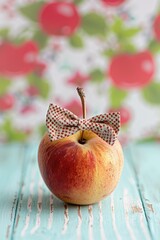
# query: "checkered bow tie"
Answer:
x=63 y=123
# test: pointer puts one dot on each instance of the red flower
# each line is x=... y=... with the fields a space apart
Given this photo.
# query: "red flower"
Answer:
x=28 y=109
x=32 y=91
x=78 y=79
x=7 y=102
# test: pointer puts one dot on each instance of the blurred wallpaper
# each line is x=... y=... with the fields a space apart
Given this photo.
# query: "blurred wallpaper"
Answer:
x=109 y=47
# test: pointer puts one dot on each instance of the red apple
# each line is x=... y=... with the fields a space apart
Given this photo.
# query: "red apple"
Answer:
x=124 y=113
x=132 y=70
x=81 y=168
x=156 y=27
x=17 y=59
x=59 y=18
x=113 y=2
x=6 y=102
x=80 y=173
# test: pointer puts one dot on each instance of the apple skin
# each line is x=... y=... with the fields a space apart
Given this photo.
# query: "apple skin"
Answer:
x=80 y=173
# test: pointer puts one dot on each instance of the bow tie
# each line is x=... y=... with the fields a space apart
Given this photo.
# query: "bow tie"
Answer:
x=62 y=123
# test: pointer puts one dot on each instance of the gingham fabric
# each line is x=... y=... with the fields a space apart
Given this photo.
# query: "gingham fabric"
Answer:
x=63 y=123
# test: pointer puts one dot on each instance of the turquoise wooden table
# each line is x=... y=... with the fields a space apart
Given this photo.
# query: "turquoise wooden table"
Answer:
x=29 y=211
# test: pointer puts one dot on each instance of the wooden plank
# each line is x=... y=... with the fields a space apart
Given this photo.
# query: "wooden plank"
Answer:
x=11 y=168
x=42 y=216
x=146 y=164
x=130 y=212
x=127 y=215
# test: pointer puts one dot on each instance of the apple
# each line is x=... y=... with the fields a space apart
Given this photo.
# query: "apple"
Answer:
x=113 y=2
x=156 y=27
x=81 y=168
x=80 y=173
x=59 y=18
x=7 y=102
x=17 y=59
x=132 y=70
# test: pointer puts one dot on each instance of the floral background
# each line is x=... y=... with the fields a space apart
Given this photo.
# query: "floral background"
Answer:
x=108 y=47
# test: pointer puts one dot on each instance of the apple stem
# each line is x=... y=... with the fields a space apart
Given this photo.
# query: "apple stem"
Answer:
x=82 y=97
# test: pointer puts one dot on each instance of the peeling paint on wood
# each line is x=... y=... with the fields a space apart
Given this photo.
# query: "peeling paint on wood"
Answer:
x=136 y=209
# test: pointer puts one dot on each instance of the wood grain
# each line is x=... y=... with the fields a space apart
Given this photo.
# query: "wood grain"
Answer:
x=29 y=211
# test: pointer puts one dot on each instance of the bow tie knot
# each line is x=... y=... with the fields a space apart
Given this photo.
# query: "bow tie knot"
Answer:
x=63 y=123
x=82 y=124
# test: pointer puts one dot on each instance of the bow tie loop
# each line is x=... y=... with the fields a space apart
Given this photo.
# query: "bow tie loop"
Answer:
x=63 y=123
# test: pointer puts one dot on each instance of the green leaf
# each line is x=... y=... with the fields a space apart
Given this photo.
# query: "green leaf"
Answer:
x=42 y=129
x=40 y=38
x=42 y=84
x=31 y=10
x=122 y=31
x=117 y=96
x=4 y=33
x=4 y=85
x=77 y=2
x=94 y=24
x=154 y=46
x=76 y=41
x=128 y=47
x=17 y=136
x=131 y=32
x=97 y=75
x=12 y=133
x=44 y=89
x=33 y=79
x=147 y=140
x=151 y=93
x=109 y=52
x=117 y=25
x=19 y=40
